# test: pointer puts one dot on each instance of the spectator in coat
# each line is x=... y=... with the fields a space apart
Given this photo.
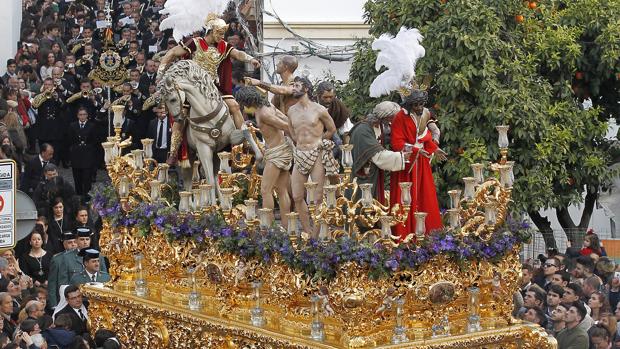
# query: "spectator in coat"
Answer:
x=33 y=173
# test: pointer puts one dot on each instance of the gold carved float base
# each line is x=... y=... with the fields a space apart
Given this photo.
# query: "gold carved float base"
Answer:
x=149 y=323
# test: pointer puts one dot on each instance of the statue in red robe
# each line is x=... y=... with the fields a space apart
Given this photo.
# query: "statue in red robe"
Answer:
x=413 y=127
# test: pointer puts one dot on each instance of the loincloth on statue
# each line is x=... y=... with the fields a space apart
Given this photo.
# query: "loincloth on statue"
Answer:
x=305 y=159
x=281 y=156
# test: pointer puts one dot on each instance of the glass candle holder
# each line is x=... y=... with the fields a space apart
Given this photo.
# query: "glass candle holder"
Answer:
x=123 y=187
x=330 y=195
x=455 y=198
x=490 y=212
x=205 y=195
x=118 y=111
x=386 y=226
x=420 y=224
x=347 y=157
x=292 y=218
x=112 y=139
x=196 y=172
x=311 y=189
x=147 y=146
x=162 y=173
x=194 y=295
x=317 y=328
x=196 y=197
x=502 y=137
x=473 y=310
x=478 y=169
x=257 y=314
x=470 y=188
x=366 y=198
x=108 y=149
x=265 y=217
x=155 y=190
x=139 y=280
x=323 y=230
x=511 y=167
x=226 y=201
x=224 y=162
x=505 y=176
x=138 y=158
x=400 y=332
x=454 y=219
x=184 y=202
x=250 y=209
x=405 y=193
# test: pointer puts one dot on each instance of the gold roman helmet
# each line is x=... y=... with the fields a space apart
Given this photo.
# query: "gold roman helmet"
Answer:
x=215 y=23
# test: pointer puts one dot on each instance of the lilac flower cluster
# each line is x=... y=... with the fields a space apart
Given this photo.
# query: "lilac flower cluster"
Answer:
x=313 y=258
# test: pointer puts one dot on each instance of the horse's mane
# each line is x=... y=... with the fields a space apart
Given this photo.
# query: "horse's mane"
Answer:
x=189 y=70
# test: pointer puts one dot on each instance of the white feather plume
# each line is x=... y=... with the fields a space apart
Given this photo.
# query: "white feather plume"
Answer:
x=399 y=54
x=186 y=17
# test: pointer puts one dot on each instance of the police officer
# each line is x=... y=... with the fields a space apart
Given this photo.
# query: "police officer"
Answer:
x=55 y=279
x=91 y=272
x=83 y=138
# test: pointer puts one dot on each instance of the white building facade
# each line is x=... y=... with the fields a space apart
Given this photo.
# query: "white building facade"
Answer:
x=331 y=23
x=10 y=24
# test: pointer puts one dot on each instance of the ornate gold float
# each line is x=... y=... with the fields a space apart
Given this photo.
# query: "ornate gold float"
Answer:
x=192 y=293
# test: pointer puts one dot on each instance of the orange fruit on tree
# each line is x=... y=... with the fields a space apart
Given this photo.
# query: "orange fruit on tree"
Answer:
x=532 y=5
x=519 y=18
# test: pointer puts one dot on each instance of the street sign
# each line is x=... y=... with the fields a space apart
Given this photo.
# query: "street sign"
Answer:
x=8 y=184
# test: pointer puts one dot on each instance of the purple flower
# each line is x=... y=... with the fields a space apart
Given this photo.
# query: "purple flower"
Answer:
x=159 y=221
x=391 y=264
x=227 y=232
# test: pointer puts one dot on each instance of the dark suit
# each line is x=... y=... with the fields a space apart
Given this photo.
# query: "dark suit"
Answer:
x=83 y=155
x=145 y=82
x=160 y=154
x=50 y=126
x=79 y=326
x=33 y=175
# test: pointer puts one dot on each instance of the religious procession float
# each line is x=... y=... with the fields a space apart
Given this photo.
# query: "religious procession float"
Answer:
x=207 y=265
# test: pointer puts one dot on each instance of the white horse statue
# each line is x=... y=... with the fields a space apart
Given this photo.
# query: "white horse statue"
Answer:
x=210 y=125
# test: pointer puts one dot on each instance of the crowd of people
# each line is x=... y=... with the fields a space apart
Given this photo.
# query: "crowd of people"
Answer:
x=52 y=114
x=574 y=295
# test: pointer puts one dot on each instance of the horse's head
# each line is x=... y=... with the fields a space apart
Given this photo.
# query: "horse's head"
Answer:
x=182 y=81
x=174 y=97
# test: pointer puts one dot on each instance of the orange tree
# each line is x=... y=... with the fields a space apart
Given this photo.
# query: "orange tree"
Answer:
x=529 y=65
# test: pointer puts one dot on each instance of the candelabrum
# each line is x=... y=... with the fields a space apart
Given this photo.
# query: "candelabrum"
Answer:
x=483 y=207
x=346 y=213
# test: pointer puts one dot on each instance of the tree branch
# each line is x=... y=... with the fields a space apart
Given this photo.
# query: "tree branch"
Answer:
x=589 y=202
x=544 y=226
